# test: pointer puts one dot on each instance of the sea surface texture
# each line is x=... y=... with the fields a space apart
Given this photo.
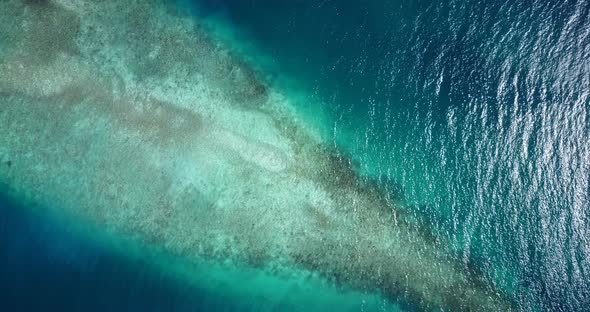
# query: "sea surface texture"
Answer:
x=206 y=155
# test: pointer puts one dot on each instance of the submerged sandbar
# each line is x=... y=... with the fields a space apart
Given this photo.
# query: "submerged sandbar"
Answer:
x=130 y=116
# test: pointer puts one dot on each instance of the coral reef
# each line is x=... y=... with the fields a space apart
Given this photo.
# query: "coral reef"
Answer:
x=137 y=120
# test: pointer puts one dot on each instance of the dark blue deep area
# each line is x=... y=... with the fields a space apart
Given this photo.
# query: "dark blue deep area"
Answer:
x=47 y=266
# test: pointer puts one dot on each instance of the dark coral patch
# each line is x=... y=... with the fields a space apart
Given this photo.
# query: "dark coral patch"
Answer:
x=37 y=3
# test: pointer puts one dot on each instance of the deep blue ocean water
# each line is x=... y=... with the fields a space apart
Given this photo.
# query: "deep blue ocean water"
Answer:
x=475 y=113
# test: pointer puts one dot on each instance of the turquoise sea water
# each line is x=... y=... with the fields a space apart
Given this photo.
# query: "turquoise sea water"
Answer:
x=476 y=115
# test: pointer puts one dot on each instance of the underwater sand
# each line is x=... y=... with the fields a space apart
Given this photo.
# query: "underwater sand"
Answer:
x=132 y=119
